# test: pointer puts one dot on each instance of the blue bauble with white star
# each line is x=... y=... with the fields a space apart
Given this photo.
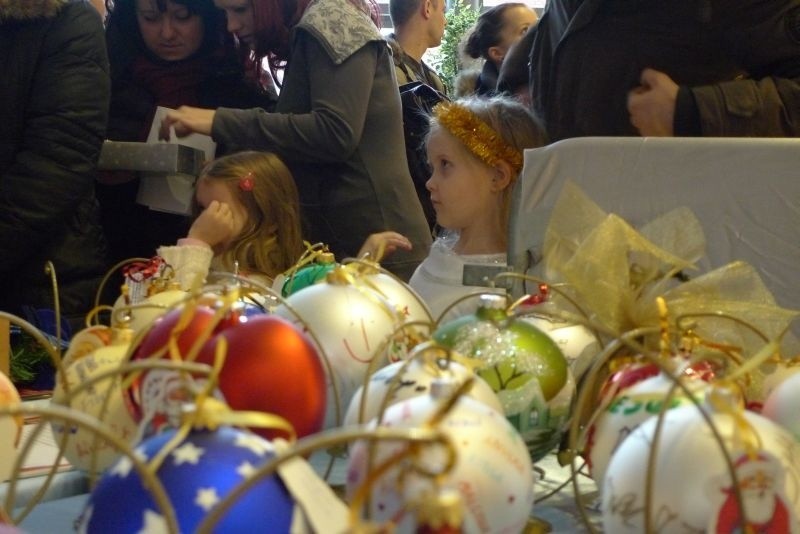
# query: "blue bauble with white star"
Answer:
x=197 y=474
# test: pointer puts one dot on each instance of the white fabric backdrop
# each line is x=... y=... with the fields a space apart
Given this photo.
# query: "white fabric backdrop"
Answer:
x=745 y=192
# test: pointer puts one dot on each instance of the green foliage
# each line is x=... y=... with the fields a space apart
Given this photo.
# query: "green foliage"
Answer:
x=460 y=20
x=27 y=358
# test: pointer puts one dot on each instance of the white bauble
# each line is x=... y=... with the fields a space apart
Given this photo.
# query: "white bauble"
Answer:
x=10 y=428
x=692 y=486
x=493 y=471
x=144 y=313
x=576 y=341
x=783 y=405
x=85 y=342
x=780 y=374
x=82 y=444
x=415 y=380
x=629 y=409
x=347 y=324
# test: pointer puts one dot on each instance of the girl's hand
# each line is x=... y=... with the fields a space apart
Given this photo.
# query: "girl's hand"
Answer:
x=380 y=245
x=187 y=120
x=214 y=226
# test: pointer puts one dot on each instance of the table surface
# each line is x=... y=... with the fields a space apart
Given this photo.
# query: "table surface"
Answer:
x=558 y=509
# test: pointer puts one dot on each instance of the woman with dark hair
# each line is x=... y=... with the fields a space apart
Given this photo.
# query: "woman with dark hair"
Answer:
x=495 y=31
x=165 y=53
x=337 y=125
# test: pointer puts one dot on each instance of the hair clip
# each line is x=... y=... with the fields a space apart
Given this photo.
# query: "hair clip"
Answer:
x=246 y=182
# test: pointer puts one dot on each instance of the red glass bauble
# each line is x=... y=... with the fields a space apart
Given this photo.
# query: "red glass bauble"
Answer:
x=272 y=367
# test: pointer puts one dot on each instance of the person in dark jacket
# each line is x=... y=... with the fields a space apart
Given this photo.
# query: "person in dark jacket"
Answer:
x=641 y=67
x=165 y=53
x=54 y=90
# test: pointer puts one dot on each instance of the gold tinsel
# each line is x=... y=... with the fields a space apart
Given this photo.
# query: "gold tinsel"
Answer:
x=479 y=138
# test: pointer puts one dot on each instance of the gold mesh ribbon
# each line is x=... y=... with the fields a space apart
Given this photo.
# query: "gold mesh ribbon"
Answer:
x=617 y=272
x=479 y=138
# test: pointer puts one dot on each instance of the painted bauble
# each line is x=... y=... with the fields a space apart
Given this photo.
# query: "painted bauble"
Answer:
x=578 y=344
x=83 y=449
x=514 y=350
x=272 y=367
x=401 y=295
x=692 y=488
x=783 y=405
x=409 y=306
x=10 y=428
x=155 y=394
x=308 y=275
x=627 y=410
x=196 y=475
x=493 y=471
x=522 y=365
x=142 y=314
x=349 y=323
x=85 y=342
x=415 y=378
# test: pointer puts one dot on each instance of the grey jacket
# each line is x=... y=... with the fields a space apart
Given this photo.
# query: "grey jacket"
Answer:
x=338 y=126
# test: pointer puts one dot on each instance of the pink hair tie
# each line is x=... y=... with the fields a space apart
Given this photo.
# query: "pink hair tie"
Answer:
x=246 y=182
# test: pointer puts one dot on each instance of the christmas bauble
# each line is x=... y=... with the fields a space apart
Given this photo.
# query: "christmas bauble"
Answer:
x=142 y=314
x=692 y=488
x=10 y=428
x=783 y=405
x=85 y=342
x=493 y=471
x=83 y=449
x=349 y=322
x=272 y=367
x=156 y=395
x=196 y=475
x=522 y=365
x=780 y=373
x=415 y=379
x=627 y=410
x=578 y=344
x=306 y=276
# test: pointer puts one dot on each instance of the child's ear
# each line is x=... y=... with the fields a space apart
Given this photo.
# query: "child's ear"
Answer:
x=503 y=176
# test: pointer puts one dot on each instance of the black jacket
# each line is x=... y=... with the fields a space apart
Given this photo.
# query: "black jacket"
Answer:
x=737 y=63
x=54 y=90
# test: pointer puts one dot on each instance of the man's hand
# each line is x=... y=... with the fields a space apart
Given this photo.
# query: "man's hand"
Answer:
x=652 y=104
x=378 y=246
x=187 y=120
x=214 y=226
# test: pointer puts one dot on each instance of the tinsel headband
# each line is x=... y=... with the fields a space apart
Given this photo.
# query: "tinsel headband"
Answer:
x=479 y=138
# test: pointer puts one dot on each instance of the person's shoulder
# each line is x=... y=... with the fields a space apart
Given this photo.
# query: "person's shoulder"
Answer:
x=340 y=26
x=27 y=10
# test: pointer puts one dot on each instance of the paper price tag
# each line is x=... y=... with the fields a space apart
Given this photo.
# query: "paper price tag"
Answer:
x=324 y=511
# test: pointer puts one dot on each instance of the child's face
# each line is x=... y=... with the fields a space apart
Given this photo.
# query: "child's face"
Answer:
x=461 y=186
x=209 y=190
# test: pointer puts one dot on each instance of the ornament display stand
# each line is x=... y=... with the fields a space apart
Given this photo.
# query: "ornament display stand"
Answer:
x=5 y=346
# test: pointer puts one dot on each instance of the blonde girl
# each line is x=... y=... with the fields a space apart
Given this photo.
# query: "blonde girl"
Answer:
x=475 y=149
x=248 y=214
